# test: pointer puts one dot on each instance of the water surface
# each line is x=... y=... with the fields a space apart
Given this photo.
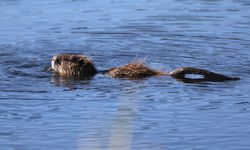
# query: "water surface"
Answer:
x=41 y=111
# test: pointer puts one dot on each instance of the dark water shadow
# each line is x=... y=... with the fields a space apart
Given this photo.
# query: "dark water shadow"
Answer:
x=71 y=83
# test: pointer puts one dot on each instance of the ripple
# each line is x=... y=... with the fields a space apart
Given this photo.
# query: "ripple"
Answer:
x=40 y=109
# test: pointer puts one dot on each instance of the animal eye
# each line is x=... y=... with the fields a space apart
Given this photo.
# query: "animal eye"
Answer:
x=57 y=61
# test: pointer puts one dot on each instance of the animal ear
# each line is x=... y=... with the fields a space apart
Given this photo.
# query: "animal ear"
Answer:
x=81 y=61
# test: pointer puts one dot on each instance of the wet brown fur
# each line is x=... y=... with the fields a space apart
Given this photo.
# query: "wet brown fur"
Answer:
x=73 y=65
x=134 y=70
x=81 y=66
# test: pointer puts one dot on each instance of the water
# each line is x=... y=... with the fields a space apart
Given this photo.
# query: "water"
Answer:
x=40 y=111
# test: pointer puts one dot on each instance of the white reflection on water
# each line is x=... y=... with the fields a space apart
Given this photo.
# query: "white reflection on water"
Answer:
x=121 y=131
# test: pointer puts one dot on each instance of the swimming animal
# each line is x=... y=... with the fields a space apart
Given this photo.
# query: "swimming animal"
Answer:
x=77 y=65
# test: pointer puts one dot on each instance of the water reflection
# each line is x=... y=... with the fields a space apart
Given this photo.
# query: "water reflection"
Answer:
x=120 y=133
x=69 y=82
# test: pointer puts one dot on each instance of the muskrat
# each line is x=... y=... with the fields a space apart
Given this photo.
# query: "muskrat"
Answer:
x=135 y=70
x=77 y=65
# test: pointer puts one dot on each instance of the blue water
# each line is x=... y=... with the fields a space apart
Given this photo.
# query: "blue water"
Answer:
x=40 y=111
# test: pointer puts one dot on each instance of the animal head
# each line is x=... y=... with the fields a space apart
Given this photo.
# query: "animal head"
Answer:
x=73 y=65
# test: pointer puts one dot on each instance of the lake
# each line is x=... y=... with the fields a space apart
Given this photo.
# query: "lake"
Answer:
x=42 y=111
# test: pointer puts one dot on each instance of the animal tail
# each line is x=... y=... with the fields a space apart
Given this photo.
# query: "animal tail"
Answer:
x=181 y=73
